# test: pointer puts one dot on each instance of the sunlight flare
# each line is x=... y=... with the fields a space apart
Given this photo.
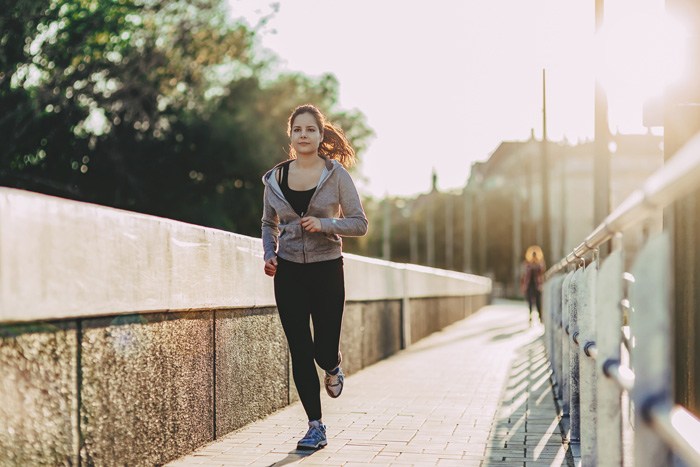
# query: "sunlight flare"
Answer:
x=641 y=53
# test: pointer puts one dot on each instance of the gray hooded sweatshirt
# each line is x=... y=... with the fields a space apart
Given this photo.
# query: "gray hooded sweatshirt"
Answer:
x=335 y=203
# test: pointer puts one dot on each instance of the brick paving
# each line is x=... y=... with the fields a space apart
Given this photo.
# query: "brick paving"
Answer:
x=475 y=394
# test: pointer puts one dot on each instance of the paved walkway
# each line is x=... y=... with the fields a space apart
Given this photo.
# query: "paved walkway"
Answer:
x=475 y=394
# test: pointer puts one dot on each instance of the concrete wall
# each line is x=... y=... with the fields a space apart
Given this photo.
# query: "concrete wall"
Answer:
x=145 y=377
x=63 y=259
x=128 y=339
x=38 y=394
x=252 y=369
x=429 y=315
x=165 y=383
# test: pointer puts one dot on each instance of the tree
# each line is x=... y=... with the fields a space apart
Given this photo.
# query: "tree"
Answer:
x=157 y=106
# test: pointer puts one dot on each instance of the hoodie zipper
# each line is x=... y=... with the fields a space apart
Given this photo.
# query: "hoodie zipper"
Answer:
x=303 y=243
x=281 y=196
x=318 y=187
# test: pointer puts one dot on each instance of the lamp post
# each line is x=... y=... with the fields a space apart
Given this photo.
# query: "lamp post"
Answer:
x=601 y=163
x=517 y=234
x=449 y=232
x=429 y=232
x=386 y=231
x=407 y=213
x=483 y=238
x=467 y=233
x=546 y=233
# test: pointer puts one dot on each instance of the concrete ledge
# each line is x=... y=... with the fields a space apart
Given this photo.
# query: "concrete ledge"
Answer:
x=62 y=259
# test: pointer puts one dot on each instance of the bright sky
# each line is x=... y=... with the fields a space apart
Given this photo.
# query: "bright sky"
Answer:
x=442 y=83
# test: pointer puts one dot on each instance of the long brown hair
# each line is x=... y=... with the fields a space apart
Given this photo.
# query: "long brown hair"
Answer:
x=334 y=144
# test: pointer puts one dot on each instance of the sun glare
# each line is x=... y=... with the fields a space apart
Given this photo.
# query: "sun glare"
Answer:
x=641 y=52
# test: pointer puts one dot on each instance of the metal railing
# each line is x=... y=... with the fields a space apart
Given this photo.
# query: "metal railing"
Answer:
x=590 y=345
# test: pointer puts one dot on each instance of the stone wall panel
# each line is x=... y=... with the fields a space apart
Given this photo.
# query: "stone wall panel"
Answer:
x=38 y=394
x=147 y=393
x=381 y=335
x=252 y=370
x=351 y=337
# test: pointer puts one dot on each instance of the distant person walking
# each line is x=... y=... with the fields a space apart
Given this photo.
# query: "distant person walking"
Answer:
x=532 y=279
x=310 y=201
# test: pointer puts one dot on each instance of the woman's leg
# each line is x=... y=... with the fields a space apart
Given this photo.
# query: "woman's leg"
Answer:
x=291 y=295
x=327 y=312
x=530 y=302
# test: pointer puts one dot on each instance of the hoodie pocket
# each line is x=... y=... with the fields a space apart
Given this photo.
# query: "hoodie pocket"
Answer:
x=290 y=238
x=335 y=238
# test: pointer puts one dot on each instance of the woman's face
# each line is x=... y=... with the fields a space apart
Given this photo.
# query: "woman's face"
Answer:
x=306 y=136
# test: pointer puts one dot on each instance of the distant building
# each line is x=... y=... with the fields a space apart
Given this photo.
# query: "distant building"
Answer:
x=514 y=169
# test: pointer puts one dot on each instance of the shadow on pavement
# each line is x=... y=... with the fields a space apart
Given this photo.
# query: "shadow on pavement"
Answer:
x=504 y=331
x=293 y=456
x=526 y=429
x=509 y=335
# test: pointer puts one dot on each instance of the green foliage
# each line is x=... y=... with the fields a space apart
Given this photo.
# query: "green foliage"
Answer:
x=157 y=106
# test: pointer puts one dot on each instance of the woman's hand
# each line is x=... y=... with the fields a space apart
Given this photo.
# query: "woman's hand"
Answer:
x=271 y=267
x=311 y=224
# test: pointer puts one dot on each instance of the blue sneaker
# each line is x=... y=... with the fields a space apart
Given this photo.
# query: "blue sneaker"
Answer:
x=315 y=438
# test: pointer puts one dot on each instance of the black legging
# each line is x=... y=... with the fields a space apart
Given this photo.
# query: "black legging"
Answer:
x=316 y=290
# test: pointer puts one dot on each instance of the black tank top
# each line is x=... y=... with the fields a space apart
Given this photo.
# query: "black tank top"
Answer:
x=298 y=199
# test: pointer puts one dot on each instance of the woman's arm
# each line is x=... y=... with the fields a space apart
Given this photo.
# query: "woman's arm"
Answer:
x=354 y=221
x=270 y=227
